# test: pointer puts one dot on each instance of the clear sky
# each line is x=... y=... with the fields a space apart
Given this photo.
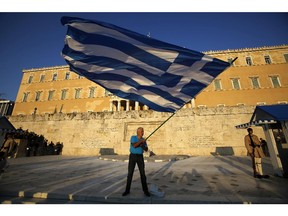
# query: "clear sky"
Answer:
x=35 y=40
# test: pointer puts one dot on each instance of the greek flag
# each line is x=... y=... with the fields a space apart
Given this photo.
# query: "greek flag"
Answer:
x=136 y=67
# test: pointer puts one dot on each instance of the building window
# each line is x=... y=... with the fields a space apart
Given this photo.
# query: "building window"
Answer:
x=30 y=79
x=77 y=93
x=67 y=76
x=286 y=57
x=275 y=81
x=42 y=77
x=267 y=59
x=64 y=94
x=255 y=82
x=248 y=61
x=235 y=83
x=54 y=78
x=92 y=92
x=38 y=94
x=50 y=95
x=217 y=84
x=25 y=96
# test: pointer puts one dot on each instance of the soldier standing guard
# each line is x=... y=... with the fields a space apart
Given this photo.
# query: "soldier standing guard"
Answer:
x=254 y=149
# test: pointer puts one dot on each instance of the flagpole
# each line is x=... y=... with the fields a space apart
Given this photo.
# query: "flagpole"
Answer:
x=161 y=125
x=165 y=121
x=233 y=60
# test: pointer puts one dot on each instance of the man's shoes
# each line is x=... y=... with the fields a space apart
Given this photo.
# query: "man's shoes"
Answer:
x=257 y=176
x=125 y=193
x=147 y=193
x=265 y=176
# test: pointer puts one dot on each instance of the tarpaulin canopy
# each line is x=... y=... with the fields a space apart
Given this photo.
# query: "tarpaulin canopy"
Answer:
x=269 y=114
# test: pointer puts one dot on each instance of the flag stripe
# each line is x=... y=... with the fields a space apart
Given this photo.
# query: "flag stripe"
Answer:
x=95 y=50
x=143 y=96
x=117 y=61
x=135 y=67
x=97 y=27
x=131 y=85
x=140 y=80
x=115 y=64
x=123 y=46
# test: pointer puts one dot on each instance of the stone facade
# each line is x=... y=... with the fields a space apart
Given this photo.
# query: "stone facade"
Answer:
x=261 y=72
x=192 y=131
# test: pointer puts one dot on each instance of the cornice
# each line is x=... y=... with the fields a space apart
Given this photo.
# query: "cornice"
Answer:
x=284 y=46
x=45 y=68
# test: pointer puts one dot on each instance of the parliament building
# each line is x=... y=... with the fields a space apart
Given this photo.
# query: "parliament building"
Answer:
x=259 y=76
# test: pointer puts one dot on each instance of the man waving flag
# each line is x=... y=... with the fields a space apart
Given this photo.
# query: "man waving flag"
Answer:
x=136 y=67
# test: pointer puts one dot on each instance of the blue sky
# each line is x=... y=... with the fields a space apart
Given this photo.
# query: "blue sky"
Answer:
x=35 y=40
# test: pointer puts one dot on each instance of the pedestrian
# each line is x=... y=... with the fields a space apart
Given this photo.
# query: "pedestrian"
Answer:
x=137 y=146
x=254 y=149
x=7 y=150
x=58 y=148
x=264 y=147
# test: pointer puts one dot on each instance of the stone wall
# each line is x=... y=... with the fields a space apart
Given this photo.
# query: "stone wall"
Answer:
x=191 y=131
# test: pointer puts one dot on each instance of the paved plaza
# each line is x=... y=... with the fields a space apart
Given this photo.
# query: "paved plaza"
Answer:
x=100 y=180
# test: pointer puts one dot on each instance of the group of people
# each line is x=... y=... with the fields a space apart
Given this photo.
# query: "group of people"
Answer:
x=36 y=145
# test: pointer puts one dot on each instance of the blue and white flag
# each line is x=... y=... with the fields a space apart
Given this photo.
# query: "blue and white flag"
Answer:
x=136 y=67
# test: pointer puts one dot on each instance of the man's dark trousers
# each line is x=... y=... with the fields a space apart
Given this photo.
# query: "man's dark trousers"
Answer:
x=133 y=159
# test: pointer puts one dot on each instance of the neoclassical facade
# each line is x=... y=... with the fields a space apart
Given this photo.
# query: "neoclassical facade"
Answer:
x=258 y=76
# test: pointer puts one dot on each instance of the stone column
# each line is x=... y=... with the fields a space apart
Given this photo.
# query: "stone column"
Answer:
x=118 y=105
x=272 y=147
x=193 y=102
x=6 y=108
x=111 y=106
x=2 y=108
x=136 y=105
x=284 y=125
x=127 y=105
